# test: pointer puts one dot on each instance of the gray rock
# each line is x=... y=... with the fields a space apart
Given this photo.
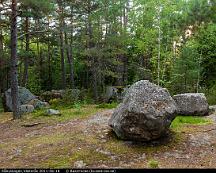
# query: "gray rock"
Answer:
x=212 y=108
x=111 y=92
x=52 y=112
x=145 y=114
x=38 y=104
x=115 y=93
x=194 y=104
x=24 y=109
x=24 y=96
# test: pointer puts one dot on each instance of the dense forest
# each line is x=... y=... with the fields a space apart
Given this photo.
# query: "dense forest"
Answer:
x=91 y=44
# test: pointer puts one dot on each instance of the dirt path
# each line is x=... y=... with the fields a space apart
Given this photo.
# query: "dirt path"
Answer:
x=90 y=143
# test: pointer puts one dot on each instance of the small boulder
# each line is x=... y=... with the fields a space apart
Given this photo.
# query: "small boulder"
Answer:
x=212 y=109
x=52 y=112
x=38 y=104
x=194 y=104
x=24 y=109
x=145 y=114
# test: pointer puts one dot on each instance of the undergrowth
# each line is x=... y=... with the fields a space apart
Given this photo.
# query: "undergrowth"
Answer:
x=108 y=105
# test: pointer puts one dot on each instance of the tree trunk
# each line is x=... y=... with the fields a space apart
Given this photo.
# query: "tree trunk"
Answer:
x=62 y=46
x=49 y=50
x=92 y=59
x=14 y=74
x=62 y=60
x=120 y=70
x=159 y=47
x=49 y=67
x=26 y=63
x=1 y=42
x=70 y=61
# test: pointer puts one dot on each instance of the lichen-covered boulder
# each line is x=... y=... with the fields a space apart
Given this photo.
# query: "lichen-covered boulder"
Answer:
x=24 y=109
x=145 y=114
x=24 y=96
x=194 y=104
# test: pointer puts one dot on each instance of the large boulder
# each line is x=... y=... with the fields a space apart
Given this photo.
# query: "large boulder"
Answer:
x=194 y=104
x=145 y=114
x=24 y=96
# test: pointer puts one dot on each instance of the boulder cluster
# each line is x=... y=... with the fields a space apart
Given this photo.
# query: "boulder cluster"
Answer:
x=147 y=111
x=27 y=101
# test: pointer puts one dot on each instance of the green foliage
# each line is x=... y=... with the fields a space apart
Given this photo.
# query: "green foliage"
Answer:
x=34 y=84
x=45 y=6
x=77 y=106
x=71 y=96
x=211 y=95
x=207 y=43
x=186 y=71
x=55 y=102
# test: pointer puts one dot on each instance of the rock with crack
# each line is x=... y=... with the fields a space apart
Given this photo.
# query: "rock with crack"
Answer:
x=194 y=104
x=145 y=113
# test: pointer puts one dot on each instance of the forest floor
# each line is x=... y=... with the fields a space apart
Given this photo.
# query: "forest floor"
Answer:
x=88 y=142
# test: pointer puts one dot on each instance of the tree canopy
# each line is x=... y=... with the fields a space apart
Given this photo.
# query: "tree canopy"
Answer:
x=91 y=44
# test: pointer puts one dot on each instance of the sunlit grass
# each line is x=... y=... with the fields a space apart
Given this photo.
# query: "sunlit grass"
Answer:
x=66 y=113
x=184 y=120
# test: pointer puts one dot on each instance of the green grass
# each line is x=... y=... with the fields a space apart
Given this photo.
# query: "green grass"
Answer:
x=67 y=114
x=184 y=120
x=108 y=105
